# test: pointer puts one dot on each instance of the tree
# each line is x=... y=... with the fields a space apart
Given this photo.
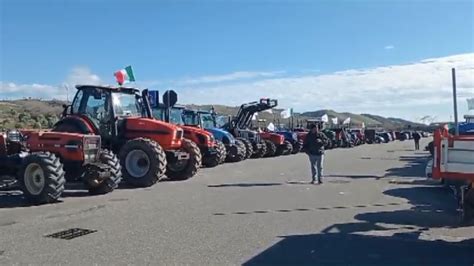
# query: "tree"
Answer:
x=37 y=125
x=51 y=120
x=19 y=125
x=24 y=117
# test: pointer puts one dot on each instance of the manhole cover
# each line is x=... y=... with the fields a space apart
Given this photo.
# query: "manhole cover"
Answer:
x=71 y=233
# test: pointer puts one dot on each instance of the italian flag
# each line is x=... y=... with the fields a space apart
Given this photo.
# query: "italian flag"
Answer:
x=124 y=75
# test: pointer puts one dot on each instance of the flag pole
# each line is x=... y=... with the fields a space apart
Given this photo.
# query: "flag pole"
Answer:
x=455 y=102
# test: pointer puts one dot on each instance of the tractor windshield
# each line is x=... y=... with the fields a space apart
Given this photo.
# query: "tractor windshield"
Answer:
x=126 y=104
x=176 y=116
x=190 y=118
x=159 y=113
x=207 y=121
x=222 y=120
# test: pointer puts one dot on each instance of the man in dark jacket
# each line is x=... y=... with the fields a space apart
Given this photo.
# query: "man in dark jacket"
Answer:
x=416 y=138
x=314 y=147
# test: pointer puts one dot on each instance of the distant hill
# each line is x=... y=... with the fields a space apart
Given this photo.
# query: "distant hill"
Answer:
x=43 y=113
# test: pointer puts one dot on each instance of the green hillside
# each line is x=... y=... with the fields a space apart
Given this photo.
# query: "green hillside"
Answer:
x=34 y=113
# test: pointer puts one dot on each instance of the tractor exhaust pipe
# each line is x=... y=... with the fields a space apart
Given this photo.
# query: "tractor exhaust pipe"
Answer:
x=146 y=103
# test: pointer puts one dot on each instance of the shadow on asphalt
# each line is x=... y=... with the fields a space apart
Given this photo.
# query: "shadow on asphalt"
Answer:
x=431 y=207
x=350 y=249
x=355 y=176
x=352 y=244
x=245 y=185
x=14 y=198
x=414 y=167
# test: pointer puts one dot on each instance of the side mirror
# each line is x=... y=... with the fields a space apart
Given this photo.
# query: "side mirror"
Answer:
x=65 y=109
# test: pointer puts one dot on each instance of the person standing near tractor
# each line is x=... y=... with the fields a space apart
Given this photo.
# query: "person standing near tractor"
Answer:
x=314 y=147
x=416 y=138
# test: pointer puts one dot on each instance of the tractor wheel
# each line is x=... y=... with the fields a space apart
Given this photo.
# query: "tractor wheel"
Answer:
x=284 y=149
x=297 y=146
x=271 y=148
x=211 y=161
x=240 y=152
x=190 y=167
x=109 y=184
x=288 y=148
x=468 y=207
x=262 y=151
x=221 y=151
x=248 y=147
x=143 y=162
x=41 y=177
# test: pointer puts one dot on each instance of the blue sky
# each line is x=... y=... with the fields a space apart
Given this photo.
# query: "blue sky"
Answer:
x=181 y=44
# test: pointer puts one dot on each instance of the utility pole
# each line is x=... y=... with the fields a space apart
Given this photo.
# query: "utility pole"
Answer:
x=455 y=102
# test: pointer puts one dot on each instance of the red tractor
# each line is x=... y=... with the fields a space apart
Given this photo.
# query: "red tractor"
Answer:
x=147 y=147
x=41 y=162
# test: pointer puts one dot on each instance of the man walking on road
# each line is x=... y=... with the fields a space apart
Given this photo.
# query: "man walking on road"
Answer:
x=314 y=147
x=416 y=138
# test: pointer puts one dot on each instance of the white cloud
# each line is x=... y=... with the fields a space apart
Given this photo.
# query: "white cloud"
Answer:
x=389 y=47
x=82 y=75
x=77 y=75
x=408 y=91
x=240 y=75
x=11 y=90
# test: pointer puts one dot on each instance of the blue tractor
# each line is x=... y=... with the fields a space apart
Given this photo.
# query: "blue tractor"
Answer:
x=292 y=137
x=235 y=149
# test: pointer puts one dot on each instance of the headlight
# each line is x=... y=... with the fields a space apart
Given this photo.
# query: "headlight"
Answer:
x=179 y=134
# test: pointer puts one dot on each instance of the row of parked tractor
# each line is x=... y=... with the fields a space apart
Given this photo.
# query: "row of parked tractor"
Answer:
x=349 y=137
x=114 y=134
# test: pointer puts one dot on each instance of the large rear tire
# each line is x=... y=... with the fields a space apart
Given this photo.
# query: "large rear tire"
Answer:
x=221 y=151
x=192 y=164
x=248 y=147
x=262 y=151
x=240 y=153
x=297 y=146
x=210 y=161
x=42 y=178
x=288 y=149
x=271 y=148
x=143 y=162
x=109 y=184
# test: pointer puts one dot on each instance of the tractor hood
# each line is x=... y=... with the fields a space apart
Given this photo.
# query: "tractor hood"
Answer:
x=149 y=124
x=196 y=130
x=273 y=137
x=221 y=135
x=291 y=136
x=169 y=136
x=200 y=136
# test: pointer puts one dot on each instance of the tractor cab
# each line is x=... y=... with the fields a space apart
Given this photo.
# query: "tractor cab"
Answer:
x=175 y=114
x=113 y=112
x=122 y=117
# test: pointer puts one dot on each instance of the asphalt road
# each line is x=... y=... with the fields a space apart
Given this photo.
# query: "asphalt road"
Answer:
x=374 y=208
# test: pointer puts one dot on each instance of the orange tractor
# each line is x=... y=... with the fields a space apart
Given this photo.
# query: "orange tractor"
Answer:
x=41 y=162
x=147 y=148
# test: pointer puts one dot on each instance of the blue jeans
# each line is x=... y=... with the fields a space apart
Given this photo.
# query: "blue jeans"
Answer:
x=316 y=162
